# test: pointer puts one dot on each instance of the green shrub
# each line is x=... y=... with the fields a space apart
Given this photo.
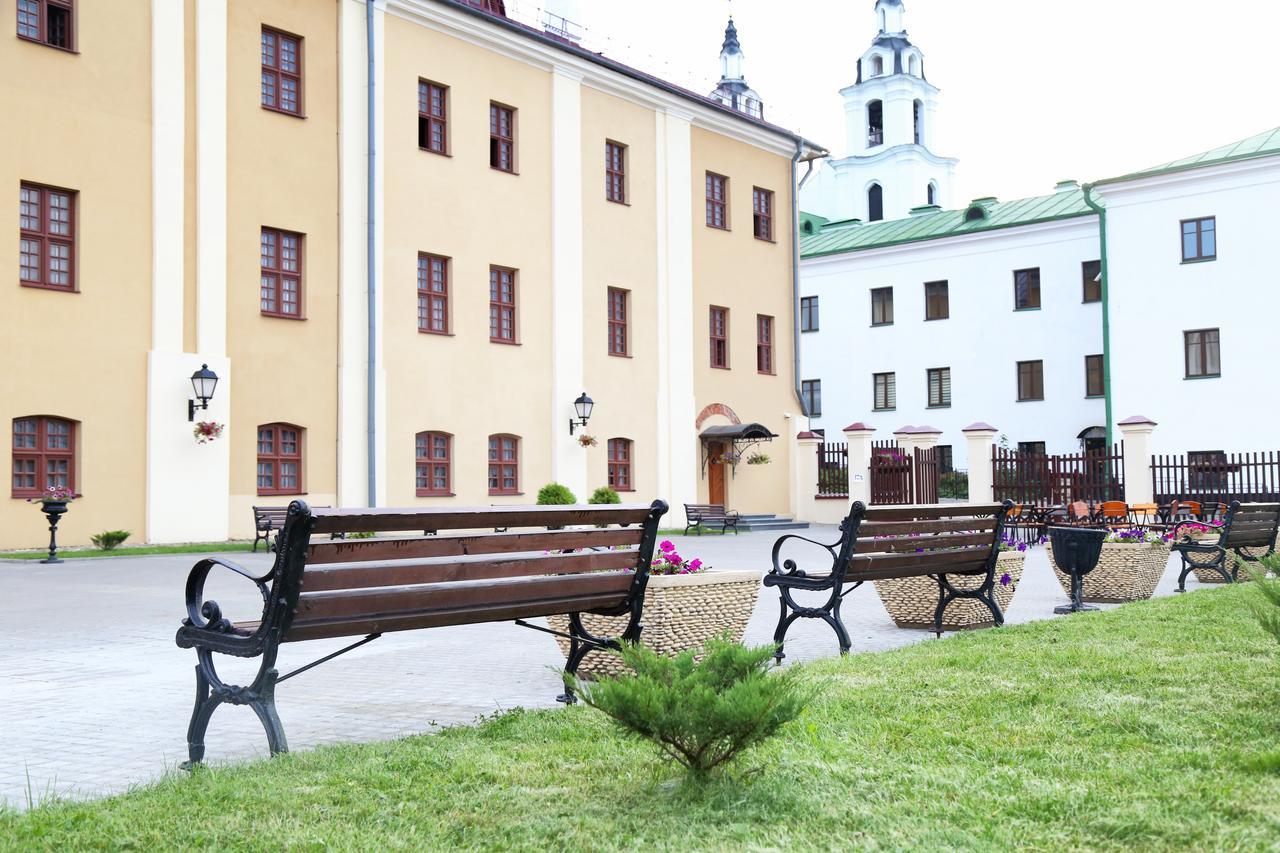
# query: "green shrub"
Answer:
x=1266 y=602
x=362 y=534
x=954 y=484
x=604 y=495
x=554 y=494
x=109 y=540
x=700 y=714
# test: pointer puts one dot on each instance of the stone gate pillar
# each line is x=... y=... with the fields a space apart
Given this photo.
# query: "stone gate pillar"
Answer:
x=980 y=437
x=858 y=435
x=1136 y=432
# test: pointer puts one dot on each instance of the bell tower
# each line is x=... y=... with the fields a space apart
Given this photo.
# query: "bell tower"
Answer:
x=890 y=113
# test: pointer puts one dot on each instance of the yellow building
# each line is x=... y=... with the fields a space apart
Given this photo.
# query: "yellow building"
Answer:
x=406 y=236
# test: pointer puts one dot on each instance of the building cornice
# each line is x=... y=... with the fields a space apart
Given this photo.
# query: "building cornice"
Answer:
x=1119 y=188
x=891 y=153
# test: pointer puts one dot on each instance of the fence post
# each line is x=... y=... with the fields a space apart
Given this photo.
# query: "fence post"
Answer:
x=804 y=484
x=1138 y=488
x=980 y=437
x=858 y=436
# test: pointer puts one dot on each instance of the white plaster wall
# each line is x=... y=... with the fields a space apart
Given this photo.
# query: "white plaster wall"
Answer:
x=838 y=189
x=1155 y=297
x=981 y=342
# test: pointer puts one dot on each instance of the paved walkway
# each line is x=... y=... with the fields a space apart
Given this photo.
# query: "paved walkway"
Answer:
x=95 y=696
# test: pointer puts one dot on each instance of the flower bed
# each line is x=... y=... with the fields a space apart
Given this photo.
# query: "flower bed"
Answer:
x=912 y=602
x=1131 y=564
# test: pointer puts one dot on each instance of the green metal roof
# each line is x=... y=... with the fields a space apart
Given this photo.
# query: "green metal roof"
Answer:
x=851 y=236
x=1262 y=145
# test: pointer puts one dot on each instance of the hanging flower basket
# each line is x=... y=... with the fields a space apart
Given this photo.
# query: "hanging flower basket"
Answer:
x=207 y=431
x=912 y=602
x=587 y=440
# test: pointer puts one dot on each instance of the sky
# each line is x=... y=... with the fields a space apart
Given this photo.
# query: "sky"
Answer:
x=1032 y=91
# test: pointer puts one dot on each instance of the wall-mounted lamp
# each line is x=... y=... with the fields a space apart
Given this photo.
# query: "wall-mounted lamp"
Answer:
x=203 y=381
x=583 y=406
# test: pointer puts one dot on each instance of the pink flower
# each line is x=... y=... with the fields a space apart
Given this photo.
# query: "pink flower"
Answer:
x=666 y=547
x=694 y=565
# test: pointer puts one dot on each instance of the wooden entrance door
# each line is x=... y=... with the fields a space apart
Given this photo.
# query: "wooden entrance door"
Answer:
x=715 y=473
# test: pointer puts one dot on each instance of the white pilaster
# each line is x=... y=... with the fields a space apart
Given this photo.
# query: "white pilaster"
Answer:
x=568 y=458
x=858 y=438
x=1138 y=488
x=211 y=177
x=168 y=125
x=980 y=437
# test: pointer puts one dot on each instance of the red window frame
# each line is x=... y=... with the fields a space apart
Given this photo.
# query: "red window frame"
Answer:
x=281 y=72
x=717 y=201
x=433 y=294
x=433 y=117
x=619 y=324
x=280 y=459
x=44 y=455
x=504 y=464
x=620 y=453
x=433 y=463
x=46 y=236
x=615 y=171
x=33 y=23
x=764 y=344
x=502 y=138
x=762 y=214
x=718 y=329
x=280 y=280
x=502 y=305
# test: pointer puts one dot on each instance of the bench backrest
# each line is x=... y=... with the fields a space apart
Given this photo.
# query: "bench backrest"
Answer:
x=467 y=573
x=703 y=509
x=270 y=516
x=1252 y=525
x=901 y=541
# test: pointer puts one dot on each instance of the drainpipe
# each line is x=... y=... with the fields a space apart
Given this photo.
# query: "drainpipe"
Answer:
x=371 y=381
x=1106 y=307
x=795 y=273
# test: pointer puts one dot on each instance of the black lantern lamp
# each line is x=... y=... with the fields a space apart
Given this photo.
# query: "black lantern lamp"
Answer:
x=583 y=406
x=203 y=381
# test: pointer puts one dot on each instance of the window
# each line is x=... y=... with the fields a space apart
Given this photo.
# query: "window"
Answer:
x=279 y=459
x=619 y=337
x=931 y=194
x=502 y=138
x=620 y=465
x=764 y=344
x=433 y=464
x=762 y=213
x=939 y=387
x=809 y=314
x=917 y=116
x=504 y=465
x=886 y=392
x=719 y=330
x=717 y=200
x=811 y=397
x=875 y=203
x=50 y=22
x=877 y=63
x=1202 y=355
x=1030 y=380
x=615 y=172
x=1031 y=448
x=881 y=306
x=1091 y=273
x=1199 y=239
x=44 y=455
x=281 y=280
x=502 y=305
x=937 y=301
x=281 y=72
x=946 y=461
x=1026 y=289
x=433 y=294
x=433 y=117
x=875 y=124
x=1094 y=380
x=46 y=238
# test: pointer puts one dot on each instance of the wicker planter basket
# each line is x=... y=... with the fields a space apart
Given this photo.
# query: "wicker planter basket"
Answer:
x=1125 y=572
x=680 y=612
x=912 y=602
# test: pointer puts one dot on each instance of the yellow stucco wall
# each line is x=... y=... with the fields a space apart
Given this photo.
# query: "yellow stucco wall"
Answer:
x=81 y=121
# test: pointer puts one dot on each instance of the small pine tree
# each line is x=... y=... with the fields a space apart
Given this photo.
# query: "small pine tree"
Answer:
x=554 y=494
x=699 y=714
x=604 y=495
x=109 y=540
x=1266 y=601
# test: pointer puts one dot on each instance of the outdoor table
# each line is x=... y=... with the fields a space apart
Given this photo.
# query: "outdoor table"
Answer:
x=1076 y=550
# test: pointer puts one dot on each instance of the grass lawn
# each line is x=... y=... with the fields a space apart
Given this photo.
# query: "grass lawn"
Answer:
x=135 y=551
x=1152 y=726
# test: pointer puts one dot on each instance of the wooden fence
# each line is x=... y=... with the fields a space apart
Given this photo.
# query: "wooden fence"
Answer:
x=1216 y=477
x=833 y=470
x=1033 y=478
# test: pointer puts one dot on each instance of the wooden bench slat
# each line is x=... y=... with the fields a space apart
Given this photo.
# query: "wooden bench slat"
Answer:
x=941 y=560
x=927 y=543
x=899 y=528
x=354 y=550
x=875 y=573
x=935 y=511
x=366 y=575
x=1243 y=539
x=389 y=601
x=1259 y=507
x=474 y=518
x=1269 y=524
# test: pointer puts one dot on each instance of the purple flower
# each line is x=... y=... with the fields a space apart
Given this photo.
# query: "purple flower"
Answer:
x=666 y=547
x=694 y=565
x=1005 y=580
x=1022 y=546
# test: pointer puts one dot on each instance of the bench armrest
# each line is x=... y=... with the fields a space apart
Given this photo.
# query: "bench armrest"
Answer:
x=788 y=567
x=207 y=615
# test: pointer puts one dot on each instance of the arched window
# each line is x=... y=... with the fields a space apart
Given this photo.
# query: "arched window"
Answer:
x=913 y=65
x=875 y=203
x=504 y=464
x=917 y=114
x=44 y=455
x=620 y=465
x=875 y=124
x=433 y=464
x=280 y=459
x=931 y=194
x=877 y=65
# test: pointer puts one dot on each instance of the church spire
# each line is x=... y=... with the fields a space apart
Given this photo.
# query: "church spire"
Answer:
x=733 y=90
x=889 y=15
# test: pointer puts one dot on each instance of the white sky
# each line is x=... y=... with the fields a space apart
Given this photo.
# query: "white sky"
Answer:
x=1033 y=91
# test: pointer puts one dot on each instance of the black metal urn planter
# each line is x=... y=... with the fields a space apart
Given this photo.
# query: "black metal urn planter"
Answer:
x=53 y=503
x=1076 y=551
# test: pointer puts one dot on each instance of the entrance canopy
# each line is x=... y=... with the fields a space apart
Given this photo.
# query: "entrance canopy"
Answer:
x=739 y=437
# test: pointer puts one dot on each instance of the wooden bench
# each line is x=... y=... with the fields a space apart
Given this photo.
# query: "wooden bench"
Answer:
x=895 y=542
x=265 y=520
x=1253 y=525
x=320 y=589
x=696 y=515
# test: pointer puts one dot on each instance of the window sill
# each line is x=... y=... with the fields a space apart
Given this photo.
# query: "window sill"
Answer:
x=766 y=373
x=1095 y=396
x=1199 y=260
x=621 y=355
x=436 y=333
x=893 y=409
x=936 y=319
x=279 y=111
x=1031 y=400
x=433 y=151
x=620 y=203
x=35 y=285
x=766 y=239
x=278 y=316
x=1090 y=301
x=493 y=168
x=719 y=367
x=1019 y=310
x=504 y=343
x=1202 y=376
x=30 y=40
x=718 y=227
x=807 y=331
x=880 y=325
x=435 y=494
x=505 y=494
x=943 y=406
x=281 y=494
